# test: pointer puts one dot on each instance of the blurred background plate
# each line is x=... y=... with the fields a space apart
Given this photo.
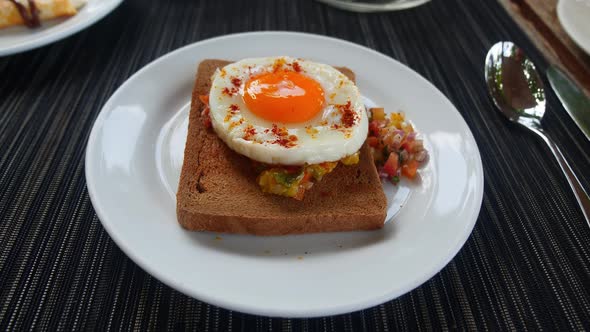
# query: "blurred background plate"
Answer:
x=367 y=6
x=574 y=16
x=19 y=39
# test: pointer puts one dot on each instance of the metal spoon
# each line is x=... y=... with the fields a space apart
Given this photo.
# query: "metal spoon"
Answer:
x=517 y=90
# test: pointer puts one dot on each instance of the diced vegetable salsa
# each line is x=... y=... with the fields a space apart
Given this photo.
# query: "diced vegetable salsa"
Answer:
x=395 y=148
x=293 y=181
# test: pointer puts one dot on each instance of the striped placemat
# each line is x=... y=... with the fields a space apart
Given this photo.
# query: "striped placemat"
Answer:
x=525 y=266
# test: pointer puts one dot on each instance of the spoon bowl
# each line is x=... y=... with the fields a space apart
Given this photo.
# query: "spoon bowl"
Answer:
x=518 y=93
x=514 y=84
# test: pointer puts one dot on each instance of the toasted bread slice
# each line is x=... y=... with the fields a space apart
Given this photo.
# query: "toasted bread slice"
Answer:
x=218 y=190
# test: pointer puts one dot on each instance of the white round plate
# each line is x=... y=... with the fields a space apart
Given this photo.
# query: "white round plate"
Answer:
x=133 y=163
x=573 y=16
x=19 y=39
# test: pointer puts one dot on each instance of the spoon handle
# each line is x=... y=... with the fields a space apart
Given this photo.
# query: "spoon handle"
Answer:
x=581 y=195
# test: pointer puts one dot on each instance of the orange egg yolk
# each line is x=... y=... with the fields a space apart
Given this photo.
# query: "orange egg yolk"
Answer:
x=283 y=96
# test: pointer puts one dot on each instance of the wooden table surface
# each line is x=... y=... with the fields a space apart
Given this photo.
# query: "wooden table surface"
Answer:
x=538 y=19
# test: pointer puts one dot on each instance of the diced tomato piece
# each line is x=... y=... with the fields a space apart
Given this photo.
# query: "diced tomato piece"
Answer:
x=410 y=169
x=373 y=141
x=206 y=117
x=391 y=165
x=292 y=169
x=302 y=185
x=204 y=99
x=300 y=193
x=374 y=128
x=408 y=146
x=207 y=122
x=306 y=178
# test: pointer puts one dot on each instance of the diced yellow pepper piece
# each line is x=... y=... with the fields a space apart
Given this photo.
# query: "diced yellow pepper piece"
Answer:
x=407 y=127
x=378 y=113
x=353 y=159
x=397 y=119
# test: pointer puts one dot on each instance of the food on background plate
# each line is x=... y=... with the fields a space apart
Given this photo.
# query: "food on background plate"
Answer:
x=242 y=158
x=32 y=12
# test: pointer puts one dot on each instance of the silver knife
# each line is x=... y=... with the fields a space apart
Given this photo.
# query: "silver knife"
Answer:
x=573 y=99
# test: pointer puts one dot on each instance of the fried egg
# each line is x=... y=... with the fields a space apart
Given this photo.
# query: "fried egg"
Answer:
x=287 y=111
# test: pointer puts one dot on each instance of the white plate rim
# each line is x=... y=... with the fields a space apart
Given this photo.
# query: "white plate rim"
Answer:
x=220 y=301
x=570 y=28
x=28 y=45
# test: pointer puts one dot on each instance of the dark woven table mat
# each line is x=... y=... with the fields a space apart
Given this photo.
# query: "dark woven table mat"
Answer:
x=526 y=264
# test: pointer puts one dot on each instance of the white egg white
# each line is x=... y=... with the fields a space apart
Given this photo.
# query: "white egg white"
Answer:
x=326 y=137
